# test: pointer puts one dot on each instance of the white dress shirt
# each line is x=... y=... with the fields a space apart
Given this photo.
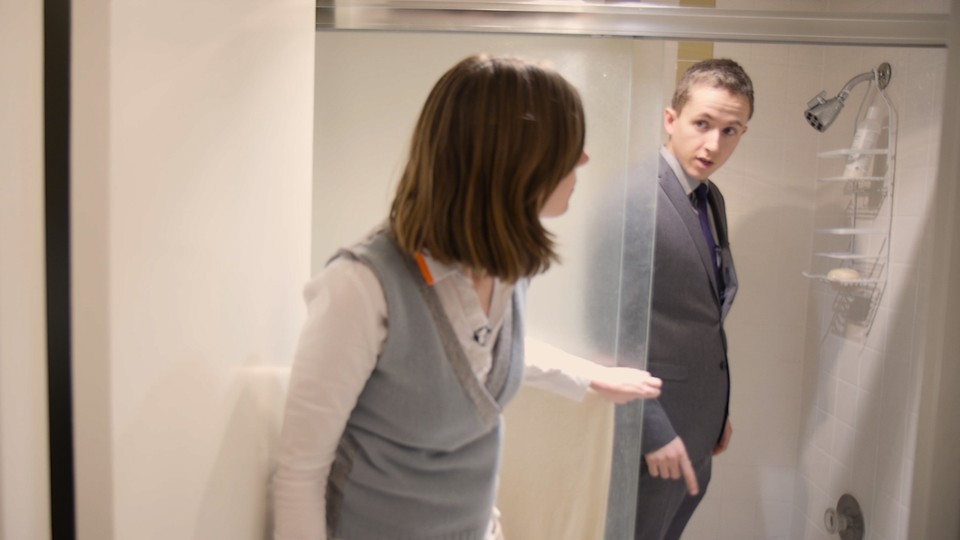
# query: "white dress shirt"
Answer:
x=341 y=340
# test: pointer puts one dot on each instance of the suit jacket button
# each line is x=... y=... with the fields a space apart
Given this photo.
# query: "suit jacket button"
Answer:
x=723 y=365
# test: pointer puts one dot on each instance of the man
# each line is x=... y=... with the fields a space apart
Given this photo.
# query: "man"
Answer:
x=694 y=284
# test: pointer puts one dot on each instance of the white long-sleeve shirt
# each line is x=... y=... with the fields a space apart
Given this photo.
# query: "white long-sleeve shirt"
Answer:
x=341 y=340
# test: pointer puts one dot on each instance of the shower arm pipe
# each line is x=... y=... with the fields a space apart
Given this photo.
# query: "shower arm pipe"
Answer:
x=636 y=20
x=847 y=88
x=881 y=74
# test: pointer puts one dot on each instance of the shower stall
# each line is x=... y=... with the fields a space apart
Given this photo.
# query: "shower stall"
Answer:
x=817 y=414
x=222 y=149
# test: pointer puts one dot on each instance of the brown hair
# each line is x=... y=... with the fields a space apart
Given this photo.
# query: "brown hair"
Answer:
x=717 y=73
x=494 y=139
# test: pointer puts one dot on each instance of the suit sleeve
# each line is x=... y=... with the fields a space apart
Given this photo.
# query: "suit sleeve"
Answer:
x=657 y=428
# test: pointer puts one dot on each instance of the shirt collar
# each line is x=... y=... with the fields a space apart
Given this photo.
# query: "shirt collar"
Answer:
x=686 y=182
x=435 y=271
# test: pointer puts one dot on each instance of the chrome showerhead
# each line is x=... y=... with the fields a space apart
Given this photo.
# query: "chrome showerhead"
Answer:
x=821 y=112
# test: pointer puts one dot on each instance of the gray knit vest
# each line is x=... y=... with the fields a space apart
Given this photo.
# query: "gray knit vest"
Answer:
x=419 y=457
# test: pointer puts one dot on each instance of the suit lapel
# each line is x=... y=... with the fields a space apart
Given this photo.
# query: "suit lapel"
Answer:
x=684 y=208
x=717 y=207
x=730 y=284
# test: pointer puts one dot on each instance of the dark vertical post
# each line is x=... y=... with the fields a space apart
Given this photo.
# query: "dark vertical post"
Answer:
x=56 y=113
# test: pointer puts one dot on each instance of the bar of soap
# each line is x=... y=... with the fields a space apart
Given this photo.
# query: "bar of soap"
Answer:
x=840 y=275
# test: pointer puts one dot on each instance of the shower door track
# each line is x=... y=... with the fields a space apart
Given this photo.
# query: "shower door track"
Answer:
x=631 y=19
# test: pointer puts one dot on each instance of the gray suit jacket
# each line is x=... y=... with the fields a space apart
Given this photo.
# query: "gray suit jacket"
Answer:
x=687 y=343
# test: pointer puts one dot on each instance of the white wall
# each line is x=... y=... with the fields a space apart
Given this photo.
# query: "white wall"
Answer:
x=936 y=492
x=24 y=480
x=191 y=172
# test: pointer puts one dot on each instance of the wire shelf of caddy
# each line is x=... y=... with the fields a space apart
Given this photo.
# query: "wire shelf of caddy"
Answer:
x=843 y=281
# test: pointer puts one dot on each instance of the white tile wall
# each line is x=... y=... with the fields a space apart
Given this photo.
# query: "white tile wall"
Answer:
x=865 y=389
x=815 y=414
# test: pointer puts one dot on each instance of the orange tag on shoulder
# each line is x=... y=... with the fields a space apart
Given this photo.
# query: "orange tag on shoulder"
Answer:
x=424 y=269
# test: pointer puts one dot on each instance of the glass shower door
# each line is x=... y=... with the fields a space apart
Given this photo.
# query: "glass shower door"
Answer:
x=369 y=90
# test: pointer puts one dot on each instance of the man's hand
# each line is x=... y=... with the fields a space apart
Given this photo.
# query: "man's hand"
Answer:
x=724 y=441
x=623 y=385
x=671 y=461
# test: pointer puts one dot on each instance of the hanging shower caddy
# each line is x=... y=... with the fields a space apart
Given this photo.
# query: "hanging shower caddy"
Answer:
x=858 y=259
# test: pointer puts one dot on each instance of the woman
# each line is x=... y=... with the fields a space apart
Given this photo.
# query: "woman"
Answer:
x=414 y=337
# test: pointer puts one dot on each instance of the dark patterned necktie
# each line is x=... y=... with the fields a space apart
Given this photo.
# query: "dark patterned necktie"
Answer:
x=701 y=200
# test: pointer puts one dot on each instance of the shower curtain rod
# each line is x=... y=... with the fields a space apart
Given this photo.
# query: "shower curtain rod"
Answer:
x=638 y=21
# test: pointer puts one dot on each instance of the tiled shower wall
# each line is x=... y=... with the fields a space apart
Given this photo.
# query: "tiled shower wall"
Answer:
x=861 y=394
x=816 y=415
